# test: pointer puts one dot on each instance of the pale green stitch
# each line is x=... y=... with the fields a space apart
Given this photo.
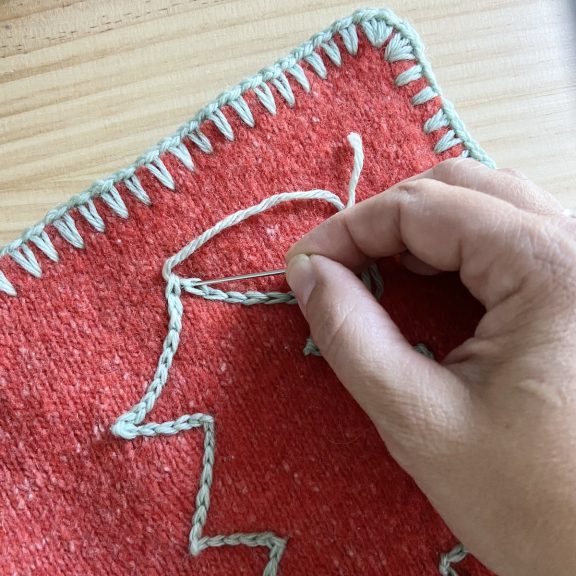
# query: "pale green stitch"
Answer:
x=399 y=48
x=317 y=65
x=475 y=151
x=410 y=75
x=310 y=348
x=446 y=142
x=183 y=154
x=425 y=95
x=92 y=216
x=266 y=97
x=297 y=72
x=439 y=120
x=6 y=285
x=25 y=258
x=221 y=122
x=377 y=25
x=67 y=229
x=349 y=36
x=243 y=111
x=133 y=184
x=248 y=298
x=130 y=425
x=285 y=90
x=424 y=350
x=377 y=32
x=457 y=554
x=333 y=52
x=44 y=244
x=115 y=202
x=197 y=137
x=158 y=169
x=373 y=280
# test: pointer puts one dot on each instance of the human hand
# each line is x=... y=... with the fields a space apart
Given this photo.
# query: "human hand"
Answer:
x=489 y=434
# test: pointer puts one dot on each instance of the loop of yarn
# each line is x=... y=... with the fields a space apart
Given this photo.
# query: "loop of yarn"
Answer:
x=253 y=297
x=130 y=424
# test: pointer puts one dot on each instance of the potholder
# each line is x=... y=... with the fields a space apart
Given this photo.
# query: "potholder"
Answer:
x=150 y=425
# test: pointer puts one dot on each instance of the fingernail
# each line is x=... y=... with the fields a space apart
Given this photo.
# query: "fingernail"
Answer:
x=300 y=277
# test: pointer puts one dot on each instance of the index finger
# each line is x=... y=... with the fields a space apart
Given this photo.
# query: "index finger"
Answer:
x=450 y=228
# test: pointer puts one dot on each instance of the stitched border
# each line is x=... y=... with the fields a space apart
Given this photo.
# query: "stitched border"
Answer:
x=131 y=424
x=382 y=28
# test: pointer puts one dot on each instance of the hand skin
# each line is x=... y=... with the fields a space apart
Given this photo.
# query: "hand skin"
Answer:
x=489 y=434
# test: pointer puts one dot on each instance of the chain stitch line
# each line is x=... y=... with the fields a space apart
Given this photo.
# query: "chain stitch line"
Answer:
x=380 y=26
x=130 y=425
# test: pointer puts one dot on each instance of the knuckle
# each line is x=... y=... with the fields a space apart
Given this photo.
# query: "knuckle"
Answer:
x=451 y=170
x=415 y=189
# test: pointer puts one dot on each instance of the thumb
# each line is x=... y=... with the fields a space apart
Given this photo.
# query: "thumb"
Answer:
x=407 y=395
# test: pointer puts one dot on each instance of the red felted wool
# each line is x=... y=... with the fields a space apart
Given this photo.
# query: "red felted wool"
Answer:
x=83 y=317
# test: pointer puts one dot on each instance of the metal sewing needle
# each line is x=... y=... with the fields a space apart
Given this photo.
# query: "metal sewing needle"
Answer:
x=241 y=277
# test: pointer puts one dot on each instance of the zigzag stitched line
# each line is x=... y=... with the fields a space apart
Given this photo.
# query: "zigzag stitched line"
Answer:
x=383 y=29
x=130 y=425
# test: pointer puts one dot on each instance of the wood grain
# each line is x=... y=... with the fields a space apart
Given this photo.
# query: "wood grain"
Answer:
x=87 y=85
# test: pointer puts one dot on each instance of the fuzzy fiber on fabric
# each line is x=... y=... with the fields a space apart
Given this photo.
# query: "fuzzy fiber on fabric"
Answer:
x=294 y=453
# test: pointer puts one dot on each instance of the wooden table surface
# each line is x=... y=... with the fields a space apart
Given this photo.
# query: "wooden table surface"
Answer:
x=86 y=85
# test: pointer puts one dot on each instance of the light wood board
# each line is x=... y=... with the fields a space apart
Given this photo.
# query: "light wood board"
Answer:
x=86 y=86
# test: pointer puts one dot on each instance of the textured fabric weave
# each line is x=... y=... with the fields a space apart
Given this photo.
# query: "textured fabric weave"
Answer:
x=295 y=454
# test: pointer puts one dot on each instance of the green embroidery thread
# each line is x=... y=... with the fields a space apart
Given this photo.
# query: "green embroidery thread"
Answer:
x=379 y=26
x=457 y=554
x=130 y=424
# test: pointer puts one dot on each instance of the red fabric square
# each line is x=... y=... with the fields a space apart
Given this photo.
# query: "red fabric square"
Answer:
x=294 y=455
